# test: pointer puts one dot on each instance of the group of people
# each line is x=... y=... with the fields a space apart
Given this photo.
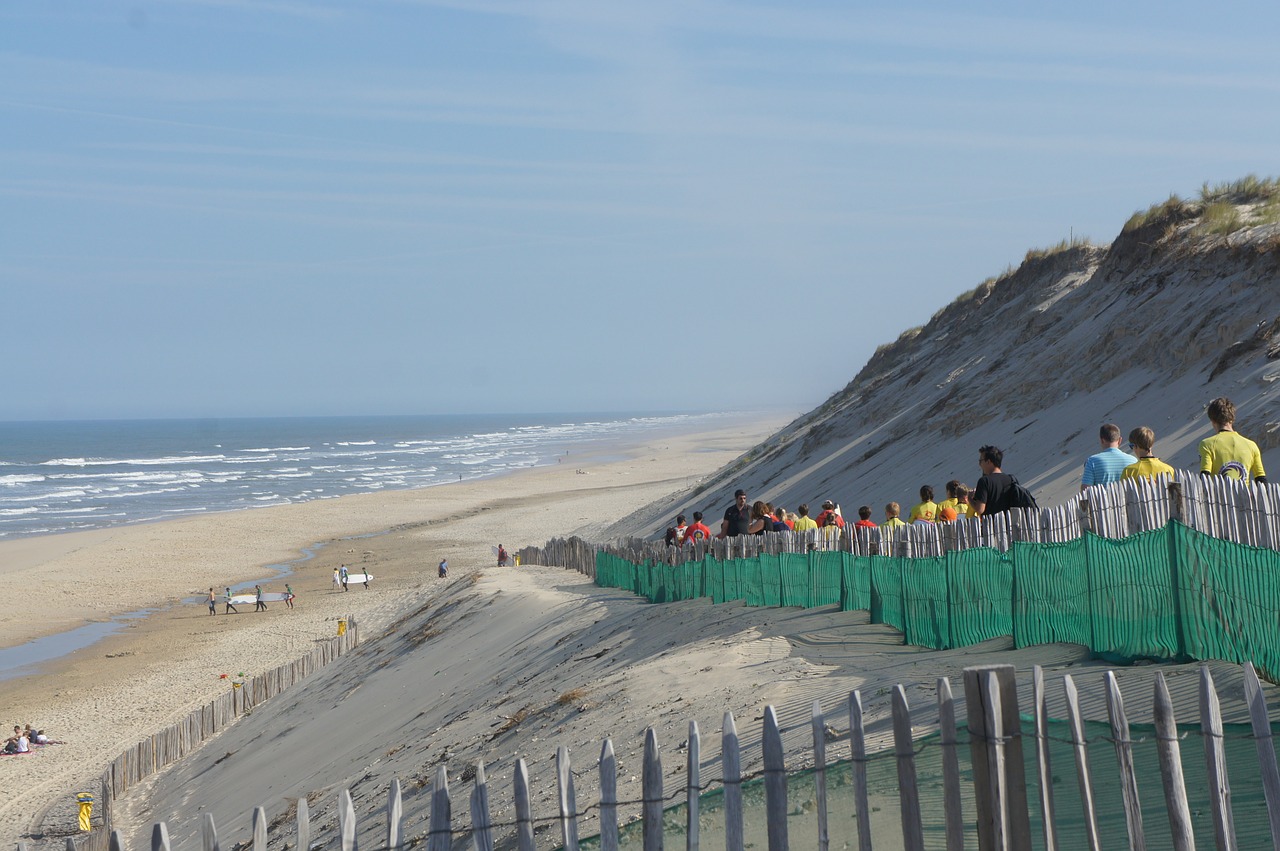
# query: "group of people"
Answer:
x=22 y=740
x=259 y=603
x=1226 y=453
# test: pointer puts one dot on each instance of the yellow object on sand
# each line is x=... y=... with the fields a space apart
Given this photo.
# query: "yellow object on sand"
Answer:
x=342 y=626
x=85 y=800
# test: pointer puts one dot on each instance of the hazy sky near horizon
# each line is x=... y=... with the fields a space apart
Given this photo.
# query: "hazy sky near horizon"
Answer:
x=239 y=208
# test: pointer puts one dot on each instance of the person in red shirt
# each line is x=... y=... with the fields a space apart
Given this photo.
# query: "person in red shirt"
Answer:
x=864 y=518
x=829 y=507
x=697 y=531
x=781 y=514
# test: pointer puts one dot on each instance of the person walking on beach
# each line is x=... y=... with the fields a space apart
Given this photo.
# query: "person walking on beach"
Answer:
x=337 y=580
x=288 y=595
x=230 y=608
x=213 y=602
x=258 y=605
x=1106 y=466
x=444 y=568
x=342 y=577
x=737 y=517
x=1148 y=466
x=1229 y=453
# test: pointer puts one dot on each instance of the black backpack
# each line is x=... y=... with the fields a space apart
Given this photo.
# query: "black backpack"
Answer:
x=1020 y=497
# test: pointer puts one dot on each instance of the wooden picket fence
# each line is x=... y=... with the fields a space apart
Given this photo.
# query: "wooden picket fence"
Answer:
x=1003 y=799
x=177 y=740
x=1221 y=507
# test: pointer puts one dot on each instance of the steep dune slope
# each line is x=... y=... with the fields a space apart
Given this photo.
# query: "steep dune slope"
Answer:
x=1142 y=332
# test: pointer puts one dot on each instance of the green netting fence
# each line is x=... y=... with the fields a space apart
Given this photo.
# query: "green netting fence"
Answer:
x=1172 y=593
x=1248 y=802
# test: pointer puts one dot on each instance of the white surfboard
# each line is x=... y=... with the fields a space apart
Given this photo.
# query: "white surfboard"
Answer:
x=358 y=578
x=252 y=598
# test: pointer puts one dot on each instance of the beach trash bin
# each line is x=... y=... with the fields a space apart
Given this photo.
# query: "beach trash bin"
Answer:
x=342 y=626
x=85 y=800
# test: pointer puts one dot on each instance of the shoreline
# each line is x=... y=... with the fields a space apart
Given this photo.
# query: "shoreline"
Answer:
x=102 y=698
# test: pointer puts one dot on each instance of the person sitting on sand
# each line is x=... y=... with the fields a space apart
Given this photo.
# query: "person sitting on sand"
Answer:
x=444 y=568
x=36 y=737
x=18 y=743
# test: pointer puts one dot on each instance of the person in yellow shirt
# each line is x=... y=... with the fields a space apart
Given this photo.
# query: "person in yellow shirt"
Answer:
x=927 y=509
x=804 y=522
x=1148 y=466
x=951 y=500
x=891 y=519
x=1229 y=453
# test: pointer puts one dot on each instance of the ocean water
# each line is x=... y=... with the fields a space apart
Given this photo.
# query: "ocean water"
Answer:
x=66 y=476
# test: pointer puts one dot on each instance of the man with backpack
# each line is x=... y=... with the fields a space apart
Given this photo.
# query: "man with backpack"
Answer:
x=997 y=491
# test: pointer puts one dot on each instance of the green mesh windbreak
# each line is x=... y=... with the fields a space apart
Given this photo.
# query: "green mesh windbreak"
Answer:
x=714 y=571
x=733 y=587
x=981 y=583
x=771 y=578
x=693 y=580
x=1133 y=600
x=886 y=591
x=795 y=579
x=1228 y=595
x=655 y=582
x=826 y=570
x=855 y=590
x=1051 y=594
x=752 y=585
x=924 y=599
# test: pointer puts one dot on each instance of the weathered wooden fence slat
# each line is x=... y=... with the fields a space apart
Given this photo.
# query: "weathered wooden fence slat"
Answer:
x=159 y=837
x=908 y=792
x=1124 y=759
x=524 y=808
x=302 y=824
x=1175 y=790
x=819 y=729
x=395 y=815
x=950 y=766
x=567 y=800
x=259 y=829
x=1215 y=758
x=775 y=782
x=731 y=771
x=440 y=828
x=208 y=833
x=651 y=793
x=693 y=789
x=608 y=797
x=1265 y=747
x=858 y=744
x=346 y=821
x=481 y=820
x=1080 y=745
x=1043 y=763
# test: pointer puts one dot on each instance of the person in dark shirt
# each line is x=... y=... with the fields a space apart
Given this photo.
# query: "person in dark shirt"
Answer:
x=737 y=517
x=991 y=496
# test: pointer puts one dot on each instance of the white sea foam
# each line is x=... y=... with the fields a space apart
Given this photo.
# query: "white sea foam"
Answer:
x=21 y=479
x=14 y=512
x=279 y=449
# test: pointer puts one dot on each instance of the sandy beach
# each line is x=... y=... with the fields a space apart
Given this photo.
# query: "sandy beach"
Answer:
x=105 y=697
x=491 y=664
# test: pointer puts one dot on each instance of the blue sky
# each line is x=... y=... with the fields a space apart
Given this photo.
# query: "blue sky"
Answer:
x=228 y=207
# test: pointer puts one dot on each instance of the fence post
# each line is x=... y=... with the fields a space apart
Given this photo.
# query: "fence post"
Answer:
x=775 y=782
x=995 y=745
x=731 y=772
x=651 y=793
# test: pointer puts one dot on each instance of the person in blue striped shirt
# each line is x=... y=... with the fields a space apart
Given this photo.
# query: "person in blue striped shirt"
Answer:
x=1107 y=465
